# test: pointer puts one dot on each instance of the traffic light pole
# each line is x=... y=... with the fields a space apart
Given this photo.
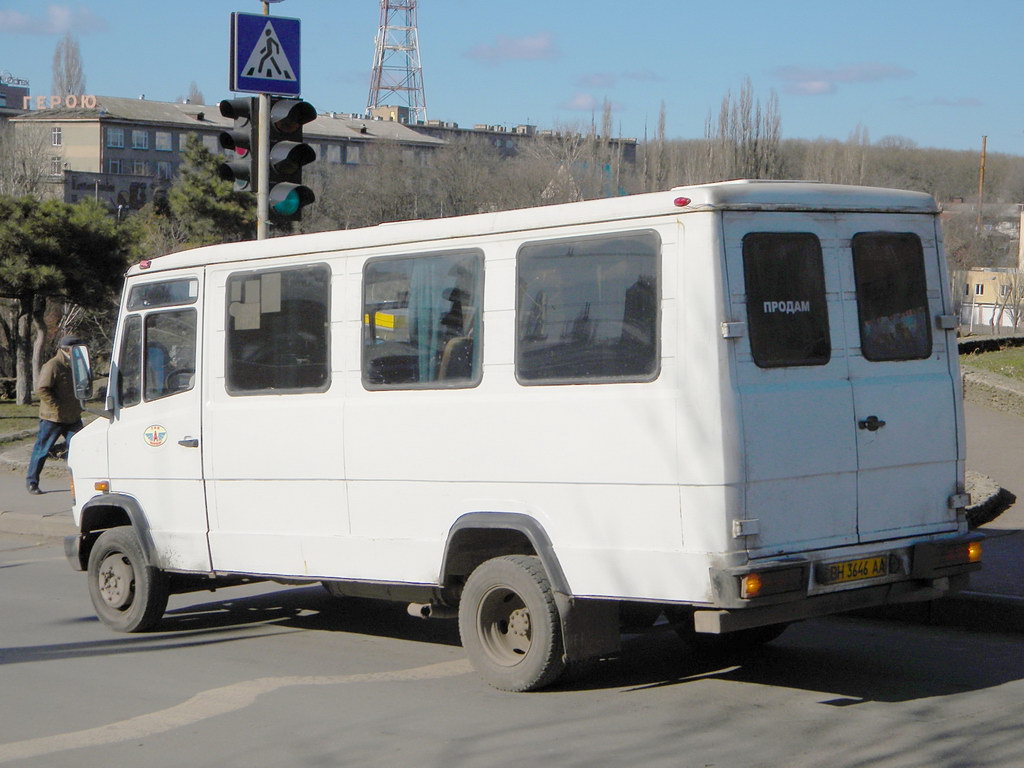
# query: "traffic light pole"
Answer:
x=263 y=159
x=263 y=172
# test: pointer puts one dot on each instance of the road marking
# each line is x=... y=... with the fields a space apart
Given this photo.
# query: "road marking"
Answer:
x=211 y=703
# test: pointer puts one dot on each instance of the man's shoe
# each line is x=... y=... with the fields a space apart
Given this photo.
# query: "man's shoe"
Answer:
x=33 y=488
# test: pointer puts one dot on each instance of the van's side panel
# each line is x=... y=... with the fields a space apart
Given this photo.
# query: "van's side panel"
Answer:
x=594 y=464
x=711 y=471
x=274 y=462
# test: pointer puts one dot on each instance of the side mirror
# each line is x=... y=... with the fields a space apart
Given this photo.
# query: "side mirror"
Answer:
x=81 y=372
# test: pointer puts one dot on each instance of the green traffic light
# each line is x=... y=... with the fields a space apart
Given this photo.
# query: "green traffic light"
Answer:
x=288 y=205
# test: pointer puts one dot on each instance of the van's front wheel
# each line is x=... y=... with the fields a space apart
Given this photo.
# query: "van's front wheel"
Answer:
x=510 y=625
x=128 y=595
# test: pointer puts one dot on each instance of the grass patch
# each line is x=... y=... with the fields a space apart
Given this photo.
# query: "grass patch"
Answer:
x=15 y=418
x=1006 y=362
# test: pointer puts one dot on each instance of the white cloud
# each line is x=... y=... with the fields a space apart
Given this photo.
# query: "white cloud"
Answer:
x=57 y=20
x=530 y=48
x=581 y=102
x=816 y=81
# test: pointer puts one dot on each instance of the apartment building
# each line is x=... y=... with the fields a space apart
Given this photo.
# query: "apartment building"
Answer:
x=122 y=151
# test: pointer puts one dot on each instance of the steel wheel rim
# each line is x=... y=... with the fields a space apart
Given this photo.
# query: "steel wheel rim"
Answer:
x=116 y=581
x=504 y=626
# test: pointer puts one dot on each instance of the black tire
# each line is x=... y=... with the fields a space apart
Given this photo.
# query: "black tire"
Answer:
x=510 y=625
x=128 y=594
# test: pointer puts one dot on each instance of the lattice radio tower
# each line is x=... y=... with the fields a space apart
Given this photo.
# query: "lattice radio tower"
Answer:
x=397 y=72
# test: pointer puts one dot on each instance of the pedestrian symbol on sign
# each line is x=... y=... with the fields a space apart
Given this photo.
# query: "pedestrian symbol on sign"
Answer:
x=268 y=59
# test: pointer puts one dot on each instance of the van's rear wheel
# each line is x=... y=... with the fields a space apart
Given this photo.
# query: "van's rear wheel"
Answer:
x=510 y=625
x=128 y=595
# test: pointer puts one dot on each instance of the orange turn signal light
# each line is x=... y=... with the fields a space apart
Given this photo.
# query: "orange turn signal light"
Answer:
x=751 y=585
x=974 y=552
x=103 y=486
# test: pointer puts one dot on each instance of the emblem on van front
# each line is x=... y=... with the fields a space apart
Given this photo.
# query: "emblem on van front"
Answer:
x=155 y=435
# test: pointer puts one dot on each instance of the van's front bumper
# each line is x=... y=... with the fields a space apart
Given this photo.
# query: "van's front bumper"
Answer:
x=922 y=571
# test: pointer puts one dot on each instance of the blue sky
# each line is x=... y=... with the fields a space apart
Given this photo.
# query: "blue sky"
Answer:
x=939 y=72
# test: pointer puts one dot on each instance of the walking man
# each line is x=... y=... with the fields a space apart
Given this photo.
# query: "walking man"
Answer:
x=60 y=413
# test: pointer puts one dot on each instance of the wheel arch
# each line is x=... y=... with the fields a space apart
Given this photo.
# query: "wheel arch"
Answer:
x=112 y=510
x=478 y=536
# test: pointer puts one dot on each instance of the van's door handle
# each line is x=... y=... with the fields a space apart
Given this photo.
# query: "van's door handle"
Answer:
x=871 y=424
x=189 y=442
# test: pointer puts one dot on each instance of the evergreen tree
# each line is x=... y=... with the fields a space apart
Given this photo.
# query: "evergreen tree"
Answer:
x=203 y=208
x=53 y=250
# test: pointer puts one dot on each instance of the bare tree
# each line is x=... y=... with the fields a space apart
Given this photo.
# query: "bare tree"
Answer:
x=744 y=142
x=195 y=96
x=24 y=159
x=68 y=74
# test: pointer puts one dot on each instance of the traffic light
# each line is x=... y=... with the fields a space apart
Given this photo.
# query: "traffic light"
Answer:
x=242 y=139
x=287 y=156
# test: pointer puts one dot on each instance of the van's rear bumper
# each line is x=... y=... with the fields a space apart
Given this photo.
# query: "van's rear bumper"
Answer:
x=924 y=572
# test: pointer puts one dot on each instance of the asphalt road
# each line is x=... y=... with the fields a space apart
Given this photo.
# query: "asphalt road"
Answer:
x=285 y=676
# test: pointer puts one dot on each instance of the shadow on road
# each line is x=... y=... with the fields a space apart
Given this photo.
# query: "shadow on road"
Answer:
x=848 y=661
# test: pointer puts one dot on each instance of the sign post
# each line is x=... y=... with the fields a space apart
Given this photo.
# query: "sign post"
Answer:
x=265 y=59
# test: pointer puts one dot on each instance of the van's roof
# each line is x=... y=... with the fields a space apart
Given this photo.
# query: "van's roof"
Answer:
x=728 y=195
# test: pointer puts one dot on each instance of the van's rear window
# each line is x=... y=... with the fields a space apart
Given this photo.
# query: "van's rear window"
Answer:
x=786 y=308
x=892 y=296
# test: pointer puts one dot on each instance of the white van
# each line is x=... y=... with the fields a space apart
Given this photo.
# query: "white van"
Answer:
x=734 y=405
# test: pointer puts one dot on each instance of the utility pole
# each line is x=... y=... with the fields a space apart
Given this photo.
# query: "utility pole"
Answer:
x=981 y=184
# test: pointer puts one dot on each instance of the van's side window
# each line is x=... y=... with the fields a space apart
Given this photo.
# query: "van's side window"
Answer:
x=170 y=353
x=587 y=310
x=278 y=331
x=786 y=307
x=129 y=363
x=421 y=321
x=892 y=296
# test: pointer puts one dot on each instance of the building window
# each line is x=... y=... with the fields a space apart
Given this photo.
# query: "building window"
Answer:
x=352 y=154
x=56 y=165
x=587 y=309
x=333 y=153
x=115 y=138
x=1004 y=290
x=163 y=141
x=164 y=170
x=979 y=289
x=55 y=136
x=278 y=331
x=140 y=168
x=421 y=321
x=211 y=143
x=113 y=166
x=140 y=139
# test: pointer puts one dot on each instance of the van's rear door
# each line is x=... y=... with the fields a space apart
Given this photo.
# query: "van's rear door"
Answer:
x=792 y=373
x=901 y=375
x=846 y=393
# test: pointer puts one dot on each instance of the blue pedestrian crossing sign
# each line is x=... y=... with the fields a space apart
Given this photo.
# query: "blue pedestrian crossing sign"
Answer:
x=265 y=55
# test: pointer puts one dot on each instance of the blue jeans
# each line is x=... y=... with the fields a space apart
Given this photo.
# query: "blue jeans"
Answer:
x=49 y=433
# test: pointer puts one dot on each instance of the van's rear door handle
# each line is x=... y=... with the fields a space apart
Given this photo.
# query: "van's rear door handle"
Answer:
x=189 y=442
x=871 y=424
